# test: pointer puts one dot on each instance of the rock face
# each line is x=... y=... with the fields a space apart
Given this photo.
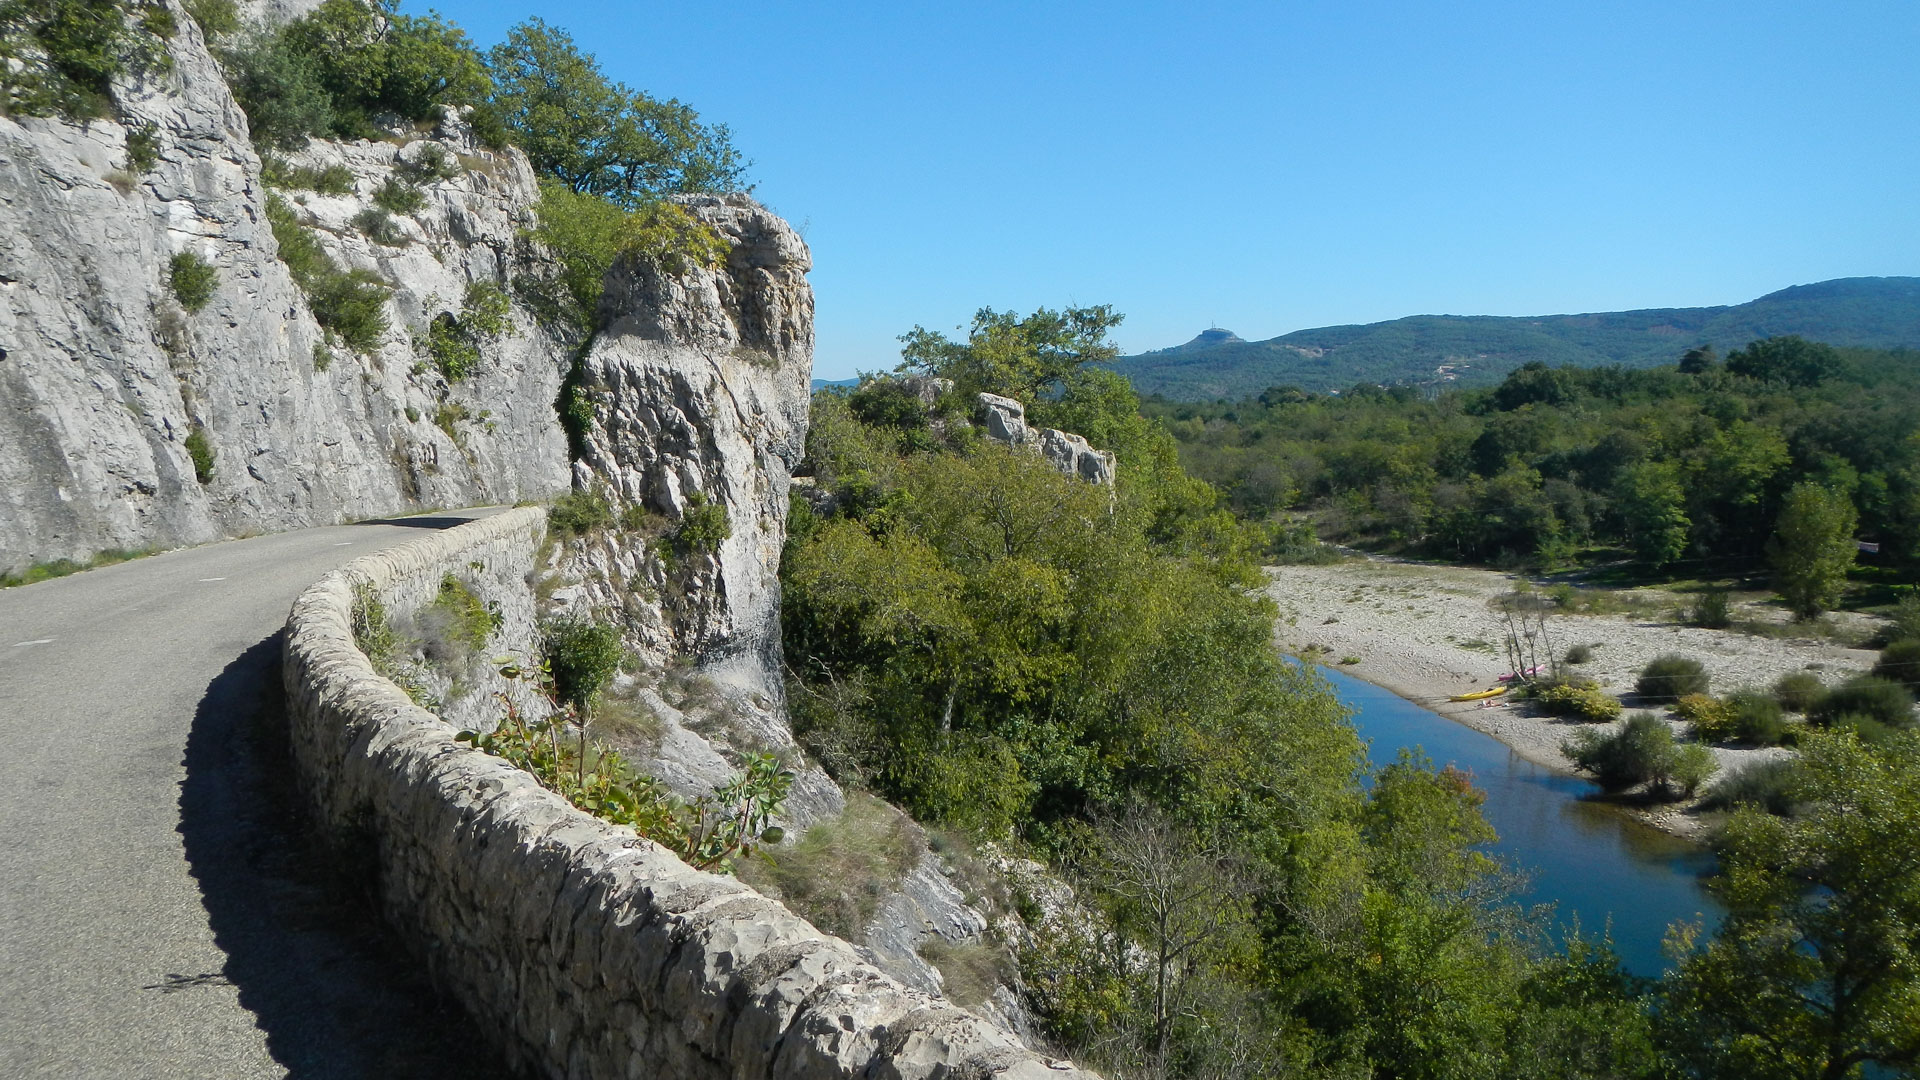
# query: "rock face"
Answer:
x=1006 y=421
x=698 y=389
x=104 y=375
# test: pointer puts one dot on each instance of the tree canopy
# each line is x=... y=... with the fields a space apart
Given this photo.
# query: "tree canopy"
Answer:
x=1813 y=972
x=1684 y=470
x=336 y=70
x=600 y=137
x=1012 y=356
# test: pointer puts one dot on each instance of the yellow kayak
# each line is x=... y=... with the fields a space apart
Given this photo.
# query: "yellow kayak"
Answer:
x=1479 y=695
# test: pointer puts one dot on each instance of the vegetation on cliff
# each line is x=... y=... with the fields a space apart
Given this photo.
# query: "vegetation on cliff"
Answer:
x=62 y=57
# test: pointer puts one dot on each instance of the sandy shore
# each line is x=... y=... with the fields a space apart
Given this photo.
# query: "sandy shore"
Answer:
x=1427 y=632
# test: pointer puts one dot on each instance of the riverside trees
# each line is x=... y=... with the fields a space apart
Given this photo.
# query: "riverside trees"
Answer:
x=1685 y=471
x=1813 y=973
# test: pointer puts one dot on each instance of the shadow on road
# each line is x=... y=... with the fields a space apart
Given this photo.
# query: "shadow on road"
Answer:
x=332 y=988
x=433 y=521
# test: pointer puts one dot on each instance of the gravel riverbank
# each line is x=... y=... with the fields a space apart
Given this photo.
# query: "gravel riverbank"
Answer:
x=1427 y=632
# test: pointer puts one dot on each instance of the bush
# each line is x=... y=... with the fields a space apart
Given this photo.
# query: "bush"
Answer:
x=1868 y=730
x=63 y=56
x=1900 y=662
x=1866 y=697
x=352 y=304
x=378 y=226
x=200 y=449
x=1711 y=610
x=1641 y=751
x=1622 y=758
x=1690 y=766
x=1579 y=654
x=278 y=87
x=400 y=197
x=585 y=234
x=429 y=164
x=1767 y=785
x=580 y=512
x=1672 y=677
x=453 y=341
x=582 y=657
x=331 y=180
x=1903 y=623
x=458 y=623
x=703 y=526
x=1713 y=720
x=1758 y=718
x=455 y=355
x=835 y=875
x=1586 y=702
x=1799 y=691
x=887 y=403
x=143 y=147
x=192 y=279
x=329 y=72
x=217 y=18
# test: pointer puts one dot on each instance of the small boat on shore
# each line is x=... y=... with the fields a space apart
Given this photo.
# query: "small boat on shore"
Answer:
x=1479 y=695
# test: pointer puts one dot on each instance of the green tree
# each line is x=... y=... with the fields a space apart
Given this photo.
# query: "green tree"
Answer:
x=1011 y=356
x=1813 y=973
x=1789 y=359
x=1812 y=549
x=586 y=234
x=332 y=70
x=599 y=137
x=1699 y=360
x=62 y=56
x=1653 y=507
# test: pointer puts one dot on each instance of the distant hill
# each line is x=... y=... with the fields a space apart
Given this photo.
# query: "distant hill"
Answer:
x=1478 y=350
x=822 y=383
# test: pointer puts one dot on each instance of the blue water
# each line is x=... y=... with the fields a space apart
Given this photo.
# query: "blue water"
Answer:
x=1589 y=860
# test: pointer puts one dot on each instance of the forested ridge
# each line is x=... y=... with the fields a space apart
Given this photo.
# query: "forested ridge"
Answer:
x=1480 y=350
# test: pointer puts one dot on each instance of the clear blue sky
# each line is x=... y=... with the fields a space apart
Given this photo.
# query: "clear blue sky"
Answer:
x=1274 y=166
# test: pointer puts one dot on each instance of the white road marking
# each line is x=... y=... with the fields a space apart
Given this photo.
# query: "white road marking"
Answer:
x=36 y=641
x=213 y=579
x=344 y=543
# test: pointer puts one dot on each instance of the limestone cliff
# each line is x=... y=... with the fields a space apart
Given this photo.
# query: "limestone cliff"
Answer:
x=104 y=374
x=698 y=390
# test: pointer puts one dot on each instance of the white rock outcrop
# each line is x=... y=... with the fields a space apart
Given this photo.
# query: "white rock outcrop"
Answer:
x=1006 y=421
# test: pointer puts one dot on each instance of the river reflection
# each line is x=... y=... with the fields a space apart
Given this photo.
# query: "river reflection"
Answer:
x=1589 y=860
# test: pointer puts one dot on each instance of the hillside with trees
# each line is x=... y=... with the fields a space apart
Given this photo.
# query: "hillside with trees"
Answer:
x=1688 y=467
x=1085 y=676
x=1480 y=350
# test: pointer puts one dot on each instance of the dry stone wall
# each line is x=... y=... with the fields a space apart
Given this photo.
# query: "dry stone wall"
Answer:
x=589 y=951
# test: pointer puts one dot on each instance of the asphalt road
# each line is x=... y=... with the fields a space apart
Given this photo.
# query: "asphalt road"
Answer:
x=163 y=912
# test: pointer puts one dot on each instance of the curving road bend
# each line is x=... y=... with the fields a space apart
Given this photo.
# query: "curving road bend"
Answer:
x=162 y=913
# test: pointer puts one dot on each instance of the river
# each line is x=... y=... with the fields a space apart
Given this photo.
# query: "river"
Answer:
x=1587 y=859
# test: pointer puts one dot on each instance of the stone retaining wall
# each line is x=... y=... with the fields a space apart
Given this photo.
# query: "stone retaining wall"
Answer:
x=589 y=951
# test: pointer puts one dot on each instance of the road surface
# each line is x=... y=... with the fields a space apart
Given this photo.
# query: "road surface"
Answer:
x=162 y=913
